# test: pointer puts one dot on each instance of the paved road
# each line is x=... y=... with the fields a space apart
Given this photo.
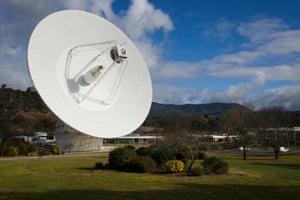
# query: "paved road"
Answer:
x=251 y=152
x=73 y=155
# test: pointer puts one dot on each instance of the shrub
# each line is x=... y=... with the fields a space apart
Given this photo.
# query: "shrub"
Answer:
x=174 y=166
x=31 y=148
x=23 y=149
x=42 y=153
x=12 y=151
x=214 y=165
x=162 y=154
x=144 y=151
x=122 y=158
x=143 y=164
x=197 y=171
x=55 y=150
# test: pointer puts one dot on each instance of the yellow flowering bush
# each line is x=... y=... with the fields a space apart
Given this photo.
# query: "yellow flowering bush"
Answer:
x=174 y=166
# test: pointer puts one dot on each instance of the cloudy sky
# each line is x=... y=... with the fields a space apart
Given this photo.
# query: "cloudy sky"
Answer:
x=197 y=51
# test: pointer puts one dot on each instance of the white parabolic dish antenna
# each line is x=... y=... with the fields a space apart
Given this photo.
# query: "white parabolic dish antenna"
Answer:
x=89 y=73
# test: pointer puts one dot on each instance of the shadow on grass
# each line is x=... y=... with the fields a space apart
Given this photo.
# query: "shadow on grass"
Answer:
x=87 y=168
x=180 y=191
x=280 y=165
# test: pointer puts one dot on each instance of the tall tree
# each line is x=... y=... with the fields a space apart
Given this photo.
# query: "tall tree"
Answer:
x=236 y=121
x=275 y=125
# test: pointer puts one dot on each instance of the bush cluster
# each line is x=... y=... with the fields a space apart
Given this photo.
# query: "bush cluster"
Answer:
x=159 y=157
x=214 y=165
x=17 y=149
x=197 y=171
x=144 y=164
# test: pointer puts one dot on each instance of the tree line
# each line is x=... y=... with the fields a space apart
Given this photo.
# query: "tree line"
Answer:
x=268 y=127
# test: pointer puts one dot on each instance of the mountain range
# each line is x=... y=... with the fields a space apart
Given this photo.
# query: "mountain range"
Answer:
x=210 y=109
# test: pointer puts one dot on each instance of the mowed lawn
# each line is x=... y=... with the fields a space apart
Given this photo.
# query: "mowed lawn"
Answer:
x=73 y=178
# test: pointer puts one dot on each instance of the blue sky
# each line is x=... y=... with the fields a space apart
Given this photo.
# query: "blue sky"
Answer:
x=197 y=51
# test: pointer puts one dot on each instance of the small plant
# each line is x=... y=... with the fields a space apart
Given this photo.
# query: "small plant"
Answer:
x=197 y=171
x=143 y=164
x=23 y=149
x=31 y=149
x=12 y=151
x=175 y=166
x=43 y=153
x=161 y=153
x=55 y=150
x=214 y=165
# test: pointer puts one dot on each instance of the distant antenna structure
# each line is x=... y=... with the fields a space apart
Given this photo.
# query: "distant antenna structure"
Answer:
x=89 y=73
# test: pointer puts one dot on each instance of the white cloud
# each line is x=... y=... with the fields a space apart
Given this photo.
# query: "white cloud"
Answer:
x=142 y=18
x=178 y=70
x=166 y=94
x=237 y=93
x=282 y=43
x=17 y=20
x=101 y=7
x=175 y=94
x=286 y=96
x=8 y=46
x=260 y=29
x=221 y=29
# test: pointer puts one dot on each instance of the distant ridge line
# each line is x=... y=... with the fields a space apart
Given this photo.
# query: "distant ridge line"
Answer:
x=211 y=109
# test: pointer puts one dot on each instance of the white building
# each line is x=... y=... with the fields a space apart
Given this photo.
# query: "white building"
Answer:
x=134 y=139
x=220 y=138
x=41 y=138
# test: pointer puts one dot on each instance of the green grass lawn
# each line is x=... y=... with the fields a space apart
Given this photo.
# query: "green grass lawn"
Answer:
x=72 y=178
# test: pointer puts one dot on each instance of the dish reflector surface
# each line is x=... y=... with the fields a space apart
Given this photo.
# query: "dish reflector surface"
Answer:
x=89 y=73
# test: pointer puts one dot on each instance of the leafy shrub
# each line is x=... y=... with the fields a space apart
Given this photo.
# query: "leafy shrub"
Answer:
x=214 y=165
x=22 y=149
x=11 y=151
x=122 y=158
x=43 y=153
x=197 y=171
x=55 y=150
x=143 y=164
x=162 y=154
x=174 y=166
x=31 y=148
x=144 y=151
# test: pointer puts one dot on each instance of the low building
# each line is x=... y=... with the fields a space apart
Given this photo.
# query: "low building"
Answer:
x=220 y=138
x=41 y=138
x=134 y=139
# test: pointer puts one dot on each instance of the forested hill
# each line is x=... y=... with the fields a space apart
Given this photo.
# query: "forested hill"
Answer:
x=23 y=113
x=211 y=109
